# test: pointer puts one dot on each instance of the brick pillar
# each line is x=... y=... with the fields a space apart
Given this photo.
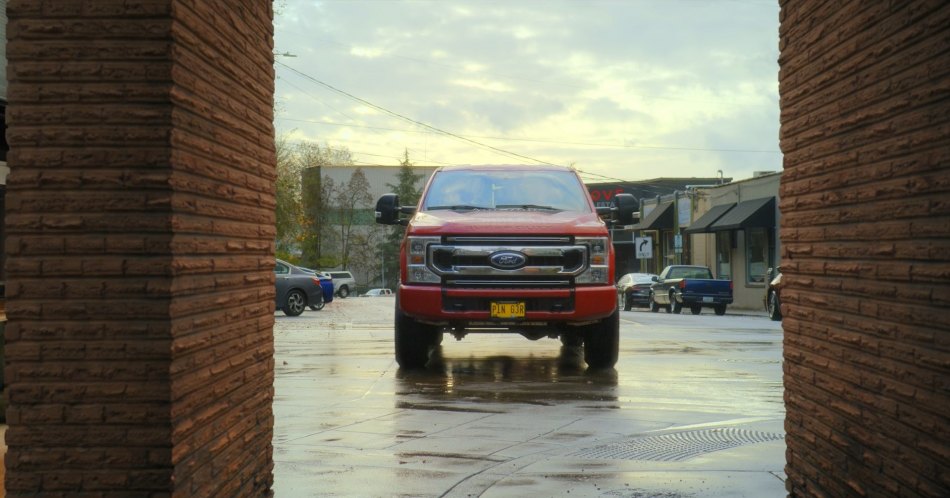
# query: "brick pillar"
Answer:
x=866 y=246
x=140 y=228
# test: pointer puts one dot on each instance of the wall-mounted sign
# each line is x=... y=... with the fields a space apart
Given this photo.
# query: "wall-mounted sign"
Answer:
x=644 y=247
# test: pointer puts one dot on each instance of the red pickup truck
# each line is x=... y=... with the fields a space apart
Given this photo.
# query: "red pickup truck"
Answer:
x=509 y=249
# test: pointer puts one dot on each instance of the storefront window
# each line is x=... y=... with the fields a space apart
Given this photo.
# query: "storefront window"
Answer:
x=723 y=255
x=757 y=256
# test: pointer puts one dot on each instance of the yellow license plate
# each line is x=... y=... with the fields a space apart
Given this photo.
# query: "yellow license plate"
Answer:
x=507 y=310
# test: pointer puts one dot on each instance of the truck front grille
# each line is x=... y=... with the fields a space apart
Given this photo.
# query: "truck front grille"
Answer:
x=542 y=261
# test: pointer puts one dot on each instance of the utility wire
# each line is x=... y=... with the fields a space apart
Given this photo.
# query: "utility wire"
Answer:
x=541 y=141
x=406 y=118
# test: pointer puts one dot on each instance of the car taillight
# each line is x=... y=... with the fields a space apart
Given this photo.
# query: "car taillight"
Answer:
x=682 y=284
x=315 y=280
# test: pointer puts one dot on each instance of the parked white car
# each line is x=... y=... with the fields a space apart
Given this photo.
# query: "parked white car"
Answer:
x=343 y=282
x=378 y=293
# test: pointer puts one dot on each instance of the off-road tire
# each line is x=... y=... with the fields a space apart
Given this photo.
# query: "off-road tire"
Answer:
x=295 y=303
x=413 y=341
x=602 y=342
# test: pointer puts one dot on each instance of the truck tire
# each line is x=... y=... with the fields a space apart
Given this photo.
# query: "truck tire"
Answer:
x=413 y=341
x=602 y=342
x=654 y=307
x=720 y=309
x=696 y=309
x=627 y=304
x=675 y=306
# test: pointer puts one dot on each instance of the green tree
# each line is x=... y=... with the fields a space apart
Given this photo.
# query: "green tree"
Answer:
x=408 y=187
x=288 y=209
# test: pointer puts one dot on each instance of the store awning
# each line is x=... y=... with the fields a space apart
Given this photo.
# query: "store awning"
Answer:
x=757 y=213
x=701 y=225
x=660 y=218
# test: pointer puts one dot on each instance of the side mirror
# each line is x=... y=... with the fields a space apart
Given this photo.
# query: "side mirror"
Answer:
x=623 y=207
x=620 y=211
x=387 y=210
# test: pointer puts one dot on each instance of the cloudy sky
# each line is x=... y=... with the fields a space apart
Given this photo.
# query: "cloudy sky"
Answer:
x=621 y=89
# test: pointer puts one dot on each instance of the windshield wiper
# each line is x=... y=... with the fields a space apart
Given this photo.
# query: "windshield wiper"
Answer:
x=528 y=206
x=459 y=207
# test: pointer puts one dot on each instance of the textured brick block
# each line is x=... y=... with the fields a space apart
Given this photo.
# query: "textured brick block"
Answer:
x=139 y=212
x=865 y=227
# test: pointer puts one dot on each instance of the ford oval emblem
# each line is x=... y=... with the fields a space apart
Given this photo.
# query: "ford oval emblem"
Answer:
x=508 y=260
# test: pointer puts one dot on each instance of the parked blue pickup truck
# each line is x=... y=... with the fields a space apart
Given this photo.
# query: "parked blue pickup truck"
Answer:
x=693 y=287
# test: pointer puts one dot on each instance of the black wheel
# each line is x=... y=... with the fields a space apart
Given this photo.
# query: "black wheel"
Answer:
x=317 y=306
x=343 y=292
x=413 y=341
x=627 y=305
x=696 y=309
x=602 y=342
x=675 y=306
x=295 y=303
x=654 y=307
x=774 y=307
x=720 y=309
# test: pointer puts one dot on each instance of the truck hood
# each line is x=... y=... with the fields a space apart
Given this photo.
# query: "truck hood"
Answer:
x=507 y=222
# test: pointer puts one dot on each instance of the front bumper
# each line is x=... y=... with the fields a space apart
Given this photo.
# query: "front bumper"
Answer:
x=453 y=306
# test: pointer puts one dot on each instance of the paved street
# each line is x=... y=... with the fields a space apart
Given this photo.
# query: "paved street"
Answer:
x=693 y=409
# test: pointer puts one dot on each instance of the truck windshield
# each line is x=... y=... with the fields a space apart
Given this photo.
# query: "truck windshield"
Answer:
x=541 y=190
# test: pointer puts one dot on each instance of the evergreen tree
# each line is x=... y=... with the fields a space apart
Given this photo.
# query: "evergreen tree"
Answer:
x=408 y=187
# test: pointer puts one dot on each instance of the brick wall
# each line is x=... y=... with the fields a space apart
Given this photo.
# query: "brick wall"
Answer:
x=865 y=92
x=140 y=248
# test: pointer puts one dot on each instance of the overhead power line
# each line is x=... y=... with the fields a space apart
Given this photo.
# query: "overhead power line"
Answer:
x=416 y=122
x=540 y=140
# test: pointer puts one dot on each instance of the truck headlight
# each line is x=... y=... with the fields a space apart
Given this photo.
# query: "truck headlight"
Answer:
x=417 y=268
x=598 y=271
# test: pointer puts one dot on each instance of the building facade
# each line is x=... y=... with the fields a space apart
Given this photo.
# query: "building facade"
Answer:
x=735 y=233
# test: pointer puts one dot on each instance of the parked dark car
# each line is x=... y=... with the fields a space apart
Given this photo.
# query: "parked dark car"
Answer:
x=296 y=288
x=634 y=290
x=326 y=282
x=693 y=287
x=773 y=294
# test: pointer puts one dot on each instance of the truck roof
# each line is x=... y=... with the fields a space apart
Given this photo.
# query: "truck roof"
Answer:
x=507 y=167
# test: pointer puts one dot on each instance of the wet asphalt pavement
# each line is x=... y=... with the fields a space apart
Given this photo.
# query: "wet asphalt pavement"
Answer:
x=694 y=408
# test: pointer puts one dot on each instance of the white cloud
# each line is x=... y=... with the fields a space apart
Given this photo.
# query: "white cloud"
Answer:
x=664 y=87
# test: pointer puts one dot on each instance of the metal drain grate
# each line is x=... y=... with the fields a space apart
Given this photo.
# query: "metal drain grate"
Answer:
x=678 y=446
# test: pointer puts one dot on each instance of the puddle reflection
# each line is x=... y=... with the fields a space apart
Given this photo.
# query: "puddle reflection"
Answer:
x=464 y=383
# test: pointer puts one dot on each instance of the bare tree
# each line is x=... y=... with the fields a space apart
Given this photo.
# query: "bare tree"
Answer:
x=319 y=193
x=351 y=199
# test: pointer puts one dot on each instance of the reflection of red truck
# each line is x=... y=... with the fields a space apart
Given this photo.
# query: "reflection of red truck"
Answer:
x=506 y=249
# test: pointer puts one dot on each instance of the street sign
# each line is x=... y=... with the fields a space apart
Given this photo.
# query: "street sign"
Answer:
x=644 y=247
x=678 y=243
